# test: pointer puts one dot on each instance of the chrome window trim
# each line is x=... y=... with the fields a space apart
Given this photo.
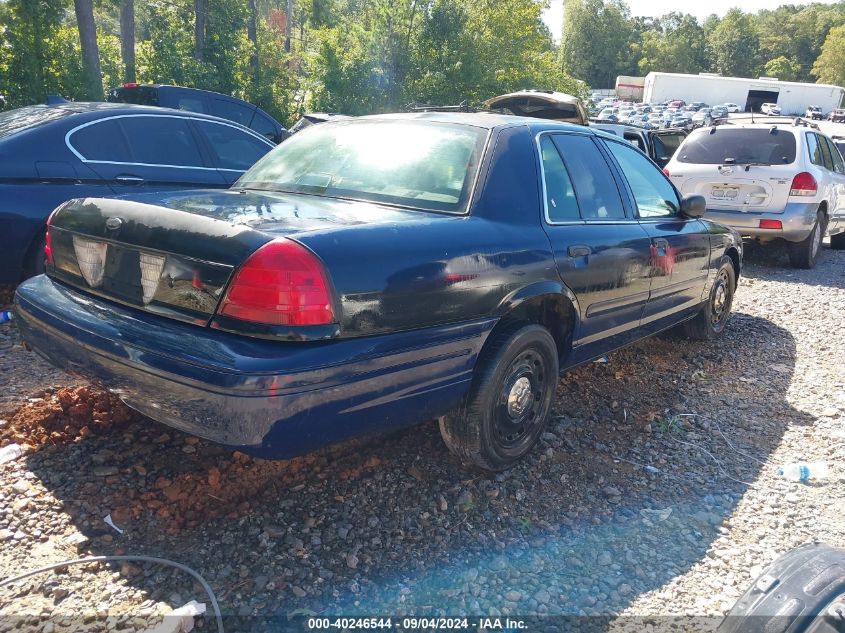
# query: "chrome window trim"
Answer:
x=76 y=153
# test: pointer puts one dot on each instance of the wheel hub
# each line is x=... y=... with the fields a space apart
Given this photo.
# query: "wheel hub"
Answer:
x=519 y=397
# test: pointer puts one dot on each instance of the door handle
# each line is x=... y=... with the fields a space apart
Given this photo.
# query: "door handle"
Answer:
x=659 y=242
x=125 y=179
x=579 y=250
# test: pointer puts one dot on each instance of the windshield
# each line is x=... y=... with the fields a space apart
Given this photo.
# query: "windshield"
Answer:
x=420 y=165
x=726 y=145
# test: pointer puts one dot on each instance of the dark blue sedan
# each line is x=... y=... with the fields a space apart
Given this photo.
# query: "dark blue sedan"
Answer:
x=52 y=153
x=377 y=272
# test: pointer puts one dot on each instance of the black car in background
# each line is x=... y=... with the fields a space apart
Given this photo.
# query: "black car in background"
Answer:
x=659 y=145
x=52 y=153
x=203 y=102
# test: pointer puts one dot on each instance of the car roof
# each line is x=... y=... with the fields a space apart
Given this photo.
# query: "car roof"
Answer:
x=37 y=116
x=486 y=120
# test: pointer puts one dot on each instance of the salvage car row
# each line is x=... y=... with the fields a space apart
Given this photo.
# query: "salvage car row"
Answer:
x=375 y=272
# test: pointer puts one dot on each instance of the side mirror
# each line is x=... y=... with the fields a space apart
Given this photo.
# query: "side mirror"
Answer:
x=693 y=206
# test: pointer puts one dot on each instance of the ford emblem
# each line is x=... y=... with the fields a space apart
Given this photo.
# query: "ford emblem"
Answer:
x=725 y=169
x=112 y=224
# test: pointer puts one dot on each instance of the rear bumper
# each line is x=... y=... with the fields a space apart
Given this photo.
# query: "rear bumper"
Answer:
x=273 y=399
x=797 y=220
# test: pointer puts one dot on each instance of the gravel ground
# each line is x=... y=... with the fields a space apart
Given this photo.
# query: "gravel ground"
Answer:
x=653 y=494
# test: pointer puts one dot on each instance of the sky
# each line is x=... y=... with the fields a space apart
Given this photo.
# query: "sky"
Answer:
x=654 y=8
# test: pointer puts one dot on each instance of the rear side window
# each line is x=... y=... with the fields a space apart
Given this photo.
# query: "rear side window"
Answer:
x=598 y=196
x=233 y=111
x=233 y=148
x=102 y=141
x=161 y=140
x=813 y=149
x=561 y=204
x=741 y=146
x=141 y=95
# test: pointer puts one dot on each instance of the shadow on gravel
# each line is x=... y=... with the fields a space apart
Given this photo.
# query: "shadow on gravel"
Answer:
x=770 y=263
x=620 y=497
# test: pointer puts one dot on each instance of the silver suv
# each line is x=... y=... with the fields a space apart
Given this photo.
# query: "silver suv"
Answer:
x=781 y=180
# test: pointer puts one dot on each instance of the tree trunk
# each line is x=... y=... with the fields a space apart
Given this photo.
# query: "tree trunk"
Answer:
x=127 y=38
x=199 y=29
x=252 y=33
x=288 y=24
x=90 y=53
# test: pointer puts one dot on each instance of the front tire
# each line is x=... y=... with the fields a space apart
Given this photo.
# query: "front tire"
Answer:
x=804 y=254
x=710 y=323
x=509 y=402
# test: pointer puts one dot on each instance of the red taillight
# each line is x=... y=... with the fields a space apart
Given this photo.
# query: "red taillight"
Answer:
x=282 y=283
x=130 y=84
x=665 y=172
x=803 y=185
x=48 y=241
x=771 y=224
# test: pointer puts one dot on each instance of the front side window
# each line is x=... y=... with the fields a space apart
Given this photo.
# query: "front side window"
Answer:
x=827 y=159
x=561 y=204
x=598 y=196
x=190 y=104
x=161 y=140
x=426 y=166
x=654 y=195
x=234 y=149
x=233 y=111
x=838 y=164
x=264 y=126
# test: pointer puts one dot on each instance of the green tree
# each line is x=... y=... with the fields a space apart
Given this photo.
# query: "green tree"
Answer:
x=830 y=65
x=596 y=41
x=782 y=68
x=734 y=45
x=675 y=43
x=28 y=29
x=87 y=28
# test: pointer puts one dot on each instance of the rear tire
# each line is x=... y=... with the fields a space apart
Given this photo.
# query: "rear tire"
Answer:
x=804 y=254
x=837 y=242
x=710 y=323
x=509 y=402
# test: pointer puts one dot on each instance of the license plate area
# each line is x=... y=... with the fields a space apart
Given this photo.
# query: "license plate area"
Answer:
x=122 y=278
x=721 y=192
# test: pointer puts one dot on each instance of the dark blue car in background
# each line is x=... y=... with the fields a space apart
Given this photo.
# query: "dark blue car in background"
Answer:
x=378 y=272
x=52 y=153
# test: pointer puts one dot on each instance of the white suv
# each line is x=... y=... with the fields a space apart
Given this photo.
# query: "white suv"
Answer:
x=768 y=181
x=770 y=108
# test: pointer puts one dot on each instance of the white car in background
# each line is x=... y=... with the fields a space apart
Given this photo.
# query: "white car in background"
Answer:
x=772 y=109
x=783 y=181
x=731 y=107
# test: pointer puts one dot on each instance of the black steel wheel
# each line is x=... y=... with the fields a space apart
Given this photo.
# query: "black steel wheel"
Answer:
x=509 y=402
x=711 y=321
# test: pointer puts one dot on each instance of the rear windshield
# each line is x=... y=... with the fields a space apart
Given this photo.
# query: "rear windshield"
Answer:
x=665 y=145
x=21 y=119
x=140 y=95
x=417 y=165
x=538 y=109
x=729 y=145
